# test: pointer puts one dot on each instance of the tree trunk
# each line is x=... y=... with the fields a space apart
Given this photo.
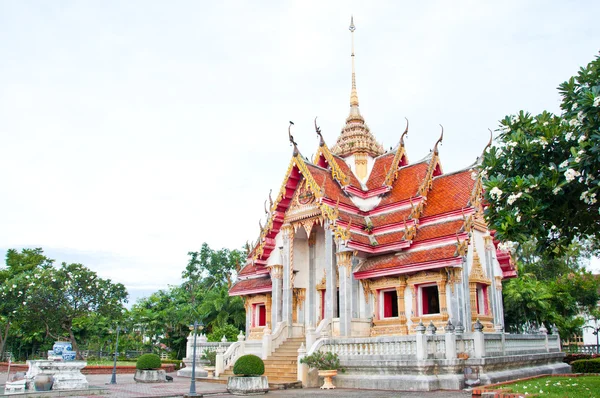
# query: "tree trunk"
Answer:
x=74 y=343
x=3 y=339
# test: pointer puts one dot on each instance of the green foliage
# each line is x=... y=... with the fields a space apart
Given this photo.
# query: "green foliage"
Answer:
x=555 y=387
x=586 y=366
x=14 y=285
x=554 y=290
x=323 y=361
x=541 y=176
x=570 y=358
x=210 y=356
x=229 y=331
x=249 y=365
x=148 y=361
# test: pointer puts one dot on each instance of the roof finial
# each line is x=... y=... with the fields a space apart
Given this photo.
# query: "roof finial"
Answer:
x=439 y=141
x=353 y=94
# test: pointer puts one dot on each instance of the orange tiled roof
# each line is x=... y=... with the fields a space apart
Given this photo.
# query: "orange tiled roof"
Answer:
x=346 y=170
x=407 y=258
x=251 y=286
x=438 y=230
x=449 y=192
x=392 y=237
x=380 y=169
x=407 y=184
x=250 y=269
x=391 y=217
x=333 y=190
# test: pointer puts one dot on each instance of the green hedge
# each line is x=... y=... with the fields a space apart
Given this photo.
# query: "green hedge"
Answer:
x=249 y=365
x=148 y=361
x=586 y=366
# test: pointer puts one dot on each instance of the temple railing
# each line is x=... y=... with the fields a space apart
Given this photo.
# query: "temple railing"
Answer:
x=397 y=346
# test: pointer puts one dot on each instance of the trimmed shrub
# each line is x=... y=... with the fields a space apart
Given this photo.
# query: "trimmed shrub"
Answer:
x=569 y=358
x=586 y=366
x=148 y=361
x=249 y=365
x=323 y=361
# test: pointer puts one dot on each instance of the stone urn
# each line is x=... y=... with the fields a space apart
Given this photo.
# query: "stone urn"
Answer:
x=327 y=375
x=210 y=370
x=60 y=346
x=43 y=382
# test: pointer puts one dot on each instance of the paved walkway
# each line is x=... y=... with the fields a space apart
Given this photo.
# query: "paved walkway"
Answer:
x=126 y=387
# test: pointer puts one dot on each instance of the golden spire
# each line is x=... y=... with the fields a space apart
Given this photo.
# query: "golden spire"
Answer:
x=355 y=136
x=353 y=94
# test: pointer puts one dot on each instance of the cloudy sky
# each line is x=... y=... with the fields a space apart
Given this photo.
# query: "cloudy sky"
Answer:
x=133 y=131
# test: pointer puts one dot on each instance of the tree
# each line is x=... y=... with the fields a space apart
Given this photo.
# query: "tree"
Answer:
x=58 y=297
x=555 y=290
x=542 y=174
x=14 y=282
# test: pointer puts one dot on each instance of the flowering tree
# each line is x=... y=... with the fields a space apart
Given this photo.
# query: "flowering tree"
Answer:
x=14 y=281
x=542 y=174
x=56 y=297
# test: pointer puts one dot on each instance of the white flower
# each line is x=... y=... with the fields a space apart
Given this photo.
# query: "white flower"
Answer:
x=545 y=123
x=556 y=190
x=513 y=197
x=496 y=193
x=596 y=101
x=589 y=198
x=580 y=116
x=577 y=159
x=574 y=122
x=564 y=164
x=518 y=218
x=14 y=286
x=570 y=175
x=543 y=142
x=512 y=144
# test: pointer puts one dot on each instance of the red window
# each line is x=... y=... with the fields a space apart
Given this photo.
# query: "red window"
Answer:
x=482 y=300
x=390 y=303
x=430 y=300
x=260 y=315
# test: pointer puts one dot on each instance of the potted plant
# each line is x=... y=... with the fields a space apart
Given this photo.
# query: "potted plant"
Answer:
x=248 y=379
x=327 y=363
x=148 y=369
x=211 y=357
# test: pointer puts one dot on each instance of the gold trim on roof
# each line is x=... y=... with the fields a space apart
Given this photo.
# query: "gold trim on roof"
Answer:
x=392 y=173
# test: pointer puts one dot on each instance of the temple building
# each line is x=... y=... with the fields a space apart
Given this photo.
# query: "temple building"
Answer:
x=373 y=242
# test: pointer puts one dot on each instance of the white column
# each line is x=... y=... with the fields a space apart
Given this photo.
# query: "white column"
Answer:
x=330 y=275
x=286 y=310
x=344 y=262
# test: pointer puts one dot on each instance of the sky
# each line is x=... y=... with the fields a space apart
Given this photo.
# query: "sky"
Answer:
x=133 y=131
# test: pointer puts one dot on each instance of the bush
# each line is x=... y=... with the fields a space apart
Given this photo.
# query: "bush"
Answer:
x=249 y=365
x=569 y=358
x=586 y=366
x=229 y=331
x=210 y=356
x=148 y=361
x=323 y=361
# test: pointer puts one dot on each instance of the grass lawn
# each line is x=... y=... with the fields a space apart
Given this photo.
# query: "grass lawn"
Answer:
x=558 y=387
x=110 y=363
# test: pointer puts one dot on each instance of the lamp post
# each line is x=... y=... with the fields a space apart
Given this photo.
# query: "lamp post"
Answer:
x=196 y=326
x=113 y=379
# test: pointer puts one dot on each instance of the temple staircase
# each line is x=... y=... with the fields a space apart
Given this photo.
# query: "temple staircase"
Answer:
x=282 y=366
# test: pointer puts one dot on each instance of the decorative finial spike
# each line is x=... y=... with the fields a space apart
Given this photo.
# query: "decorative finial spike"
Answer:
x=353 y=93
x=439 y=141
x=318 y=130
x=403 y=134
x=291 y=137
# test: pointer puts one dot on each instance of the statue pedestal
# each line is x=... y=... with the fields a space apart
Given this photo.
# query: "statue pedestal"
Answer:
x=67 y=374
